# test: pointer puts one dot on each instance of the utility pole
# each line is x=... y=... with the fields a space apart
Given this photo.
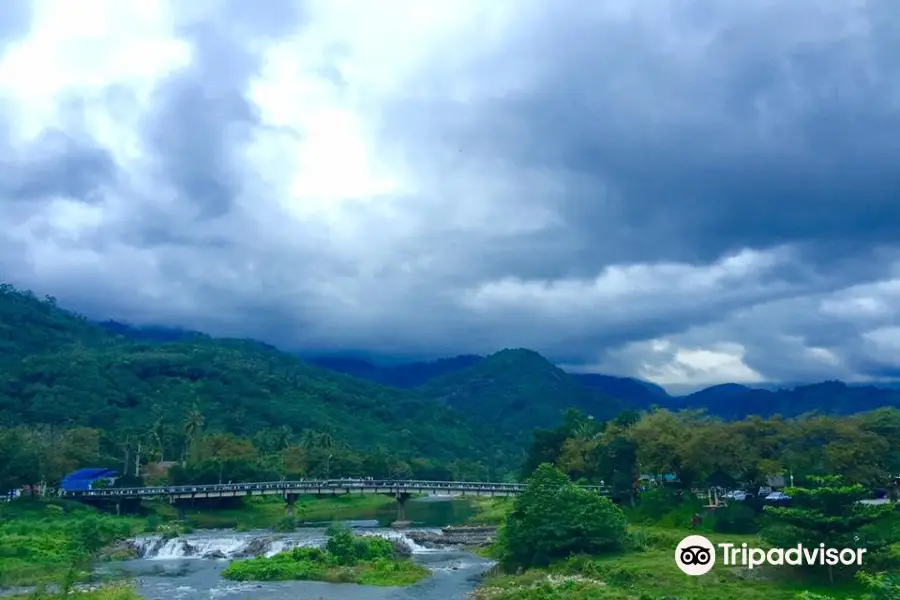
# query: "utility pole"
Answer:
x=137 y=461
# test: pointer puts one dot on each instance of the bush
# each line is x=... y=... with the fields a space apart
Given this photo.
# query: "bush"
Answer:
x=286 y=524
x=348 y=549
x=664 y=507
x=735 y=518
x=553 y=518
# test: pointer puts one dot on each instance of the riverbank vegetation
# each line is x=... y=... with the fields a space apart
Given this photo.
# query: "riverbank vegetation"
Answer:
x=552 y=546
x=702 y=451
x=346 y=558
x=44 y=542
x=105 y=592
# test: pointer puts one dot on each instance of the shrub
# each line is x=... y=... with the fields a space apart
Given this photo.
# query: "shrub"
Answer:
x=553 y=518
x=286 y=524
x=735 y=518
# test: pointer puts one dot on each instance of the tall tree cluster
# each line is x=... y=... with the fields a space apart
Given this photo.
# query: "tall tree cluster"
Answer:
x=699 y=449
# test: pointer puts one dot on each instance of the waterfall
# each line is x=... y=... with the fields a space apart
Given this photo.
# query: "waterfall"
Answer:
x=231 y=545
x=400 y=536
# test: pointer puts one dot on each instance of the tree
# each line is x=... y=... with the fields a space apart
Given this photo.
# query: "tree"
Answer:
x=616 y=463
x=193 y=426
x=828 y=513
x=552 y=518
x=664 y=440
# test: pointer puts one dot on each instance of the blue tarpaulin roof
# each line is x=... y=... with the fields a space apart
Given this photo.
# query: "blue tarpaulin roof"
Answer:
x=81 y=480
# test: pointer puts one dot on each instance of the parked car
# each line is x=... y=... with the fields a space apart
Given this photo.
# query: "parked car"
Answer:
x=738 y=495
x=777 y=496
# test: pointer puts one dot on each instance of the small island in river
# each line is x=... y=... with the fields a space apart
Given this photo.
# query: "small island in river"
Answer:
x=346 y=558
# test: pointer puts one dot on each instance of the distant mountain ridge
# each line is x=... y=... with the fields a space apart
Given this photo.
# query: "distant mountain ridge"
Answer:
x=727 y=400
x=445 y=378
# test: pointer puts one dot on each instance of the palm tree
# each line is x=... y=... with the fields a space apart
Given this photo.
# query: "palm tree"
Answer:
x=282 y=438
x=157 y=434
x=309 y=439
x=193 y=425
x=316 y=439
x=325 y=440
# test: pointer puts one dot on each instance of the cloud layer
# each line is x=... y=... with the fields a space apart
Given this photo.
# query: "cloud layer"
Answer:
x=688 y=191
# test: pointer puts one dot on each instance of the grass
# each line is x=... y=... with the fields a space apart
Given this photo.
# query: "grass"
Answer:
x=648 y=572
x=107 y=592
x=490 y=511
x=353 y=559
x=46 y=542
x=267 y=512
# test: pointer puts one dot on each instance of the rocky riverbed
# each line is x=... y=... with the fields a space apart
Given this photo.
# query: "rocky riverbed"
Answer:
x=470 y=537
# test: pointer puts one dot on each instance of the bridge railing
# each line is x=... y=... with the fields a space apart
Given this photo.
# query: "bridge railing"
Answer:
x=310 y=485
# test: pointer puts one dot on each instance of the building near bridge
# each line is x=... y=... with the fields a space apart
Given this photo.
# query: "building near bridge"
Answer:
x=83 y=480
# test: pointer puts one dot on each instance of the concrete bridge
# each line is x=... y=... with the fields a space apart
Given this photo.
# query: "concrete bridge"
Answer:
x=402 y=490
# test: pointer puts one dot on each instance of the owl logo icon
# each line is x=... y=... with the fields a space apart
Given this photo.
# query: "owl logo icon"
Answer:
x=695 y=555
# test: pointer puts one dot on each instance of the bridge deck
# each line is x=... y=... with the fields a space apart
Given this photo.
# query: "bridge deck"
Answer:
x=313 y=487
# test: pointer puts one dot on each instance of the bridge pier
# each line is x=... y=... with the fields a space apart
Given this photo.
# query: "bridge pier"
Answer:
x=401 y=521
x=179 y=508
x=290 y=503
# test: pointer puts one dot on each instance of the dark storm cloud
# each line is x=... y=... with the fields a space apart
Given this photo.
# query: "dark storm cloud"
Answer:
x=56 y=164
x=697 y=130
x=201 y=114
x=547 y=158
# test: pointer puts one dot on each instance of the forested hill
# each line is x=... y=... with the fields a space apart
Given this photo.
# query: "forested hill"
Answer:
x=404 y=376
x=464 y=379
x=517 y=391
x=60 y=369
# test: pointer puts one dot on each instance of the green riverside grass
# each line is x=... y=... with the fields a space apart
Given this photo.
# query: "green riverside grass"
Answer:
x=46 y=542
x=647 y=571
x=346 y=558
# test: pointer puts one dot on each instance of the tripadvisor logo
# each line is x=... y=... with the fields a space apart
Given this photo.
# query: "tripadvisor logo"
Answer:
x=696 y=555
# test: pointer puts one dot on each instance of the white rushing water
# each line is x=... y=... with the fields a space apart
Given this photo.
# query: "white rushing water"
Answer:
x=175 y=569
x=230 y=545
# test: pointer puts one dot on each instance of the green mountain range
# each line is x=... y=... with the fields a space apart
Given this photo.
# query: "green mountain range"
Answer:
x=61 y=369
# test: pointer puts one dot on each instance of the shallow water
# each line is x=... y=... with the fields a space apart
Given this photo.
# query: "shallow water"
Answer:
x=165 y=573
x=455 y=574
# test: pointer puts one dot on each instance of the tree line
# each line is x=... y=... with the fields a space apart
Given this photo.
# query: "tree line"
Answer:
x=35 y=455
x=702 y=450
x=698 y=449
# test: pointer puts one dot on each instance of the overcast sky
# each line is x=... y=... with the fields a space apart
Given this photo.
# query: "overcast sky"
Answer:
x=688 y=191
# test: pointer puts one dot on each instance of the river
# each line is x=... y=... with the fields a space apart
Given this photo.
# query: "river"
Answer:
x=188 y=567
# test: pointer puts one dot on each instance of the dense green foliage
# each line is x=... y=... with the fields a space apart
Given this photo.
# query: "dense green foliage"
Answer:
x=346 y=558
x=47 y=542
x=643 y=566
x=827 y=513
x=59 y=373
x=703 y=450
x=553 y=518
x=404 y=376
x=517 y=391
